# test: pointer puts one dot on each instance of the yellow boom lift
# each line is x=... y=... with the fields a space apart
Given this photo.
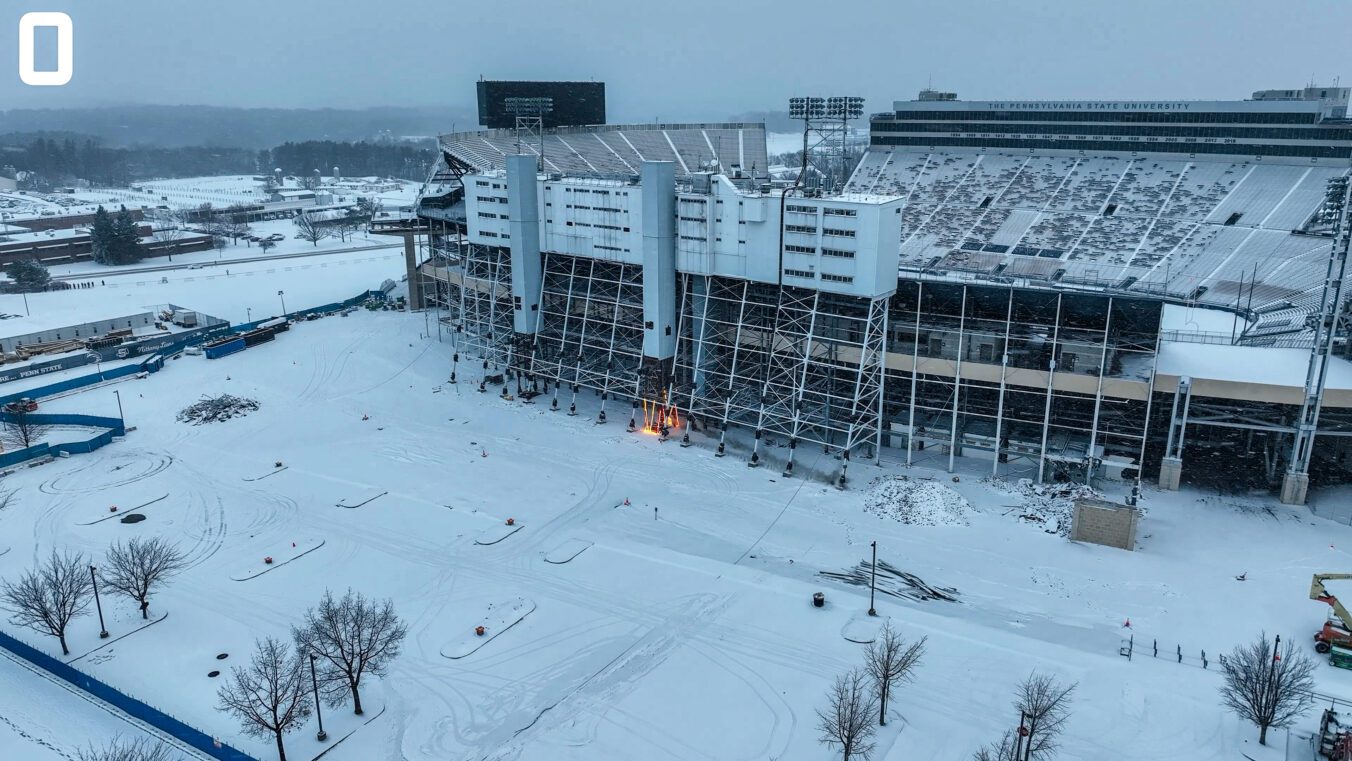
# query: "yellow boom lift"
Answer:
x=1336 y=636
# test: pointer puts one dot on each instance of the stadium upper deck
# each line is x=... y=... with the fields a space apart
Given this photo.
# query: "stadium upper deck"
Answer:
x=1192 y=200
x=618 y=150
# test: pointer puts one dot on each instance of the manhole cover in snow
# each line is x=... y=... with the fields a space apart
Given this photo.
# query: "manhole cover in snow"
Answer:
x=213 y=674
x=222 y=656
x=133 y=518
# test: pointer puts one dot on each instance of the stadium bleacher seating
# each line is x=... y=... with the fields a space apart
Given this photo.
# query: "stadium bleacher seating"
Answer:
x=1191 y=228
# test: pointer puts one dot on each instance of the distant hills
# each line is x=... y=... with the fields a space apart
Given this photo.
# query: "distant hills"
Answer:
x=254 y=128
x=175 y=126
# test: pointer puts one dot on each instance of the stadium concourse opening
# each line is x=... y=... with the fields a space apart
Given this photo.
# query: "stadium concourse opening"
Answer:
x=1067 y=290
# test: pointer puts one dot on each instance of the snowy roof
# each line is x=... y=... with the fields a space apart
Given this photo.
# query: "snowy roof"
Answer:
x=1246 y=364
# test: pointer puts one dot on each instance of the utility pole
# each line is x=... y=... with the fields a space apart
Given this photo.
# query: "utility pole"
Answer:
x=321 y=735
x=282 y=295
x=1019 y=754
x=1276 y=656
x=873 y=580
x=118 y=394
x=103 y=630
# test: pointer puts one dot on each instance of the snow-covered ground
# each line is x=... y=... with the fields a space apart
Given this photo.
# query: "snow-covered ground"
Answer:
x=220 y=191
x=46 y=720
x=232 y=291
x=676 y=626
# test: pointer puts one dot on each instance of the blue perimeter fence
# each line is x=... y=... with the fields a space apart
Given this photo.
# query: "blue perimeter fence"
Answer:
x=112 y=427
x=168 y=348
x=123 y=702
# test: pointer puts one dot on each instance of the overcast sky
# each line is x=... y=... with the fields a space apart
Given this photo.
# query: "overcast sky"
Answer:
x=681 y=59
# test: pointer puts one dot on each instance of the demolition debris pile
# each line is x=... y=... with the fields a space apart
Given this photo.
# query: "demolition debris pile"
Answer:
x=892 y=581
x=1049 y=505
x=919 y=503
x=216 y=409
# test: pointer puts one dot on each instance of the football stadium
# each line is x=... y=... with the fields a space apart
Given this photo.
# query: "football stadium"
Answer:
x=1074 y=291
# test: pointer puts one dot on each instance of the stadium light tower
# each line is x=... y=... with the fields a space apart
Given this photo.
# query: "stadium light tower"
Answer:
x=530 y=118
x=827 y=117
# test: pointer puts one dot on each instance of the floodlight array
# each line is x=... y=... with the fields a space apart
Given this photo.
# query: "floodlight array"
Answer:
x=807 y=108
x=528 y=106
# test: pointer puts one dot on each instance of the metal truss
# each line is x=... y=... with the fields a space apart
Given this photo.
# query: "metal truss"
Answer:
x=590 y=331
x=800 y=363
x=472 y=284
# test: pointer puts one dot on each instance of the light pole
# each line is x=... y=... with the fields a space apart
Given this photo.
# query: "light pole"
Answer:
x=282 y=295
x=103 y=630
x=873 y=580
x=314 y=682
x=248 y=311
x=118 y=394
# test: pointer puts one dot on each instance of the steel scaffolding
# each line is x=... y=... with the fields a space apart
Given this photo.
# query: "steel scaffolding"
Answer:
x=590 y=332
x=801 y=363
x=472 y=284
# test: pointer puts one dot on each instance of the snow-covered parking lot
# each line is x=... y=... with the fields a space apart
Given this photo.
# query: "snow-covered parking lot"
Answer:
x=661 y=595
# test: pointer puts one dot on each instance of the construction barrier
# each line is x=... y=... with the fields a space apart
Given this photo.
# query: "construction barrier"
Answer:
x=123 y=702
x=111 y=426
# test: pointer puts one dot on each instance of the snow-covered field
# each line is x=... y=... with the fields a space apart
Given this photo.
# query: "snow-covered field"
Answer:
x=236 y=291
x=220 y=191
x=677 y=626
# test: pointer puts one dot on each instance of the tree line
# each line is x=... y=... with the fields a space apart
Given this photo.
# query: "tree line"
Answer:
x=46 y=162
x=403 y=160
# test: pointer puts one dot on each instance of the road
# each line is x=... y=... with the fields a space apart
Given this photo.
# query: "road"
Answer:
x=221 y=263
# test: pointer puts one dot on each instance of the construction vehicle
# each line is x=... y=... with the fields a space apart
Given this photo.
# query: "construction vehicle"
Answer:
x=1337 y=631
x=21 y=405
x=1335 y=736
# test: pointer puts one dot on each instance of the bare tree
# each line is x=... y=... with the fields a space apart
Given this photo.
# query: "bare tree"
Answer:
x=310 y=229
x=353 y=636
x=140 y=749
x=21 y=430
x=891 y=660
x=847 y=720
x=270 y=696
x=346 y=227
x=136 y=567
x=1267 y=683
x=46 y=600
x=235 y=221
x=1005 y=750
x=366 y=208
x=168 y=229
x=1045 y=705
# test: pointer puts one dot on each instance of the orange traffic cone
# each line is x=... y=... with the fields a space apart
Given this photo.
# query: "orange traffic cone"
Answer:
x=626 y=502
x=1127 y=624
x=483 y=452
